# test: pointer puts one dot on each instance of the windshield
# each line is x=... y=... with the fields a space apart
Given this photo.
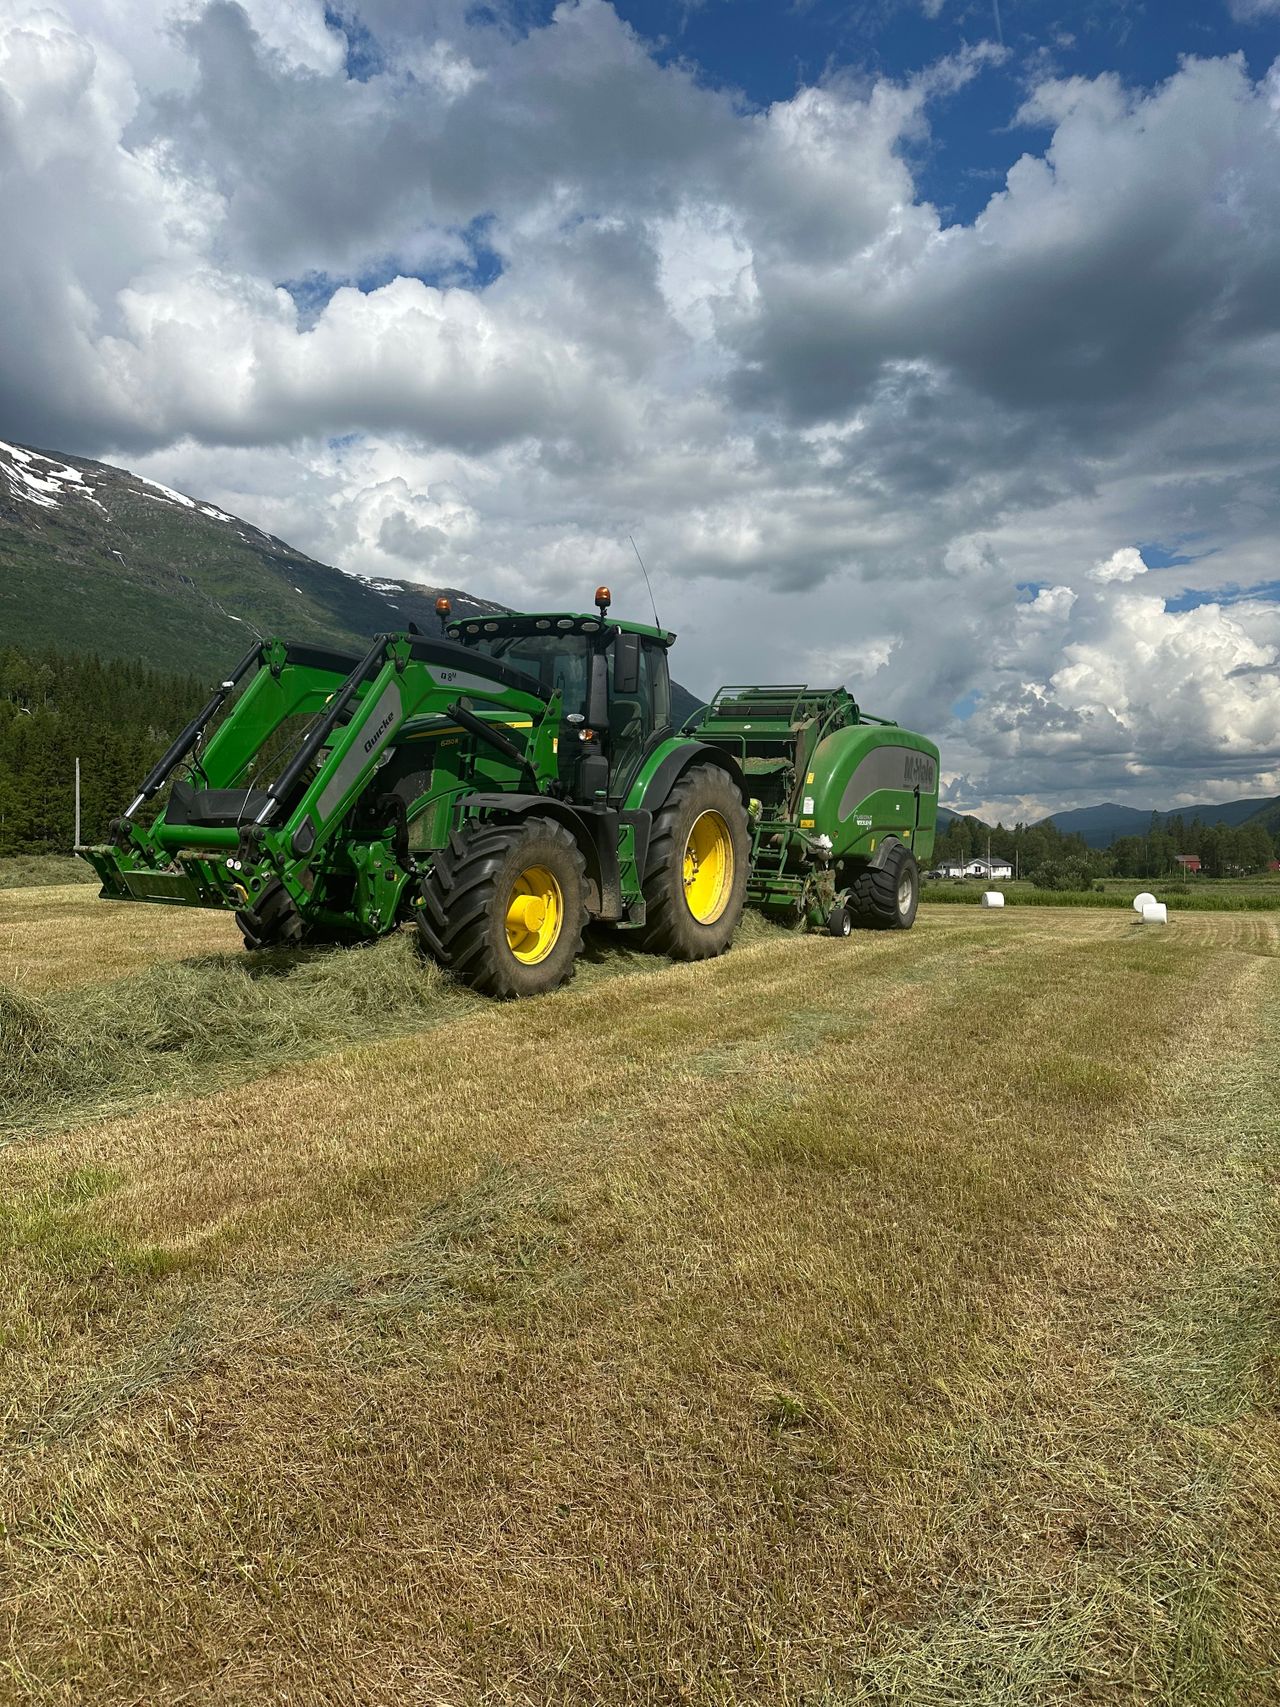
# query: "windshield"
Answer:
x=553 y=660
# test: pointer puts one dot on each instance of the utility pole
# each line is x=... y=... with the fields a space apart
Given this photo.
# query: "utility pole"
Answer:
x=76 y=843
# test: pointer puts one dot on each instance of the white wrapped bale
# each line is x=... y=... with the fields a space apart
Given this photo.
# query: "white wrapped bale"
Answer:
x=1155 y=913
x=1145 y=899
x=992 y=898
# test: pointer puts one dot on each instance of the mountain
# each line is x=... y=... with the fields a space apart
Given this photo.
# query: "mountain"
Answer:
x=94 y=559
x=1102 y=825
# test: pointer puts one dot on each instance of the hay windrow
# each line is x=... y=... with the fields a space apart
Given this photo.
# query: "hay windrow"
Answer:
x=92 y=1048
x=95 y=1048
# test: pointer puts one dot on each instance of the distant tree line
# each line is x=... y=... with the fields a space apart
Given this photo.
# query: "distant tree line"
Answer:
x=1053 y=860
x=1025 y=846
x=117 y=718
x=1223 y=850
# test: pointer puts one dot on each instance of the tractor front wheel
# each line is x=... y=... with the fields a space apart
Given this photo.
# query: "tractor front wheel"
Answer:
x=885 y=898
x=696 y=874
x=273 y=921
x=504 y=907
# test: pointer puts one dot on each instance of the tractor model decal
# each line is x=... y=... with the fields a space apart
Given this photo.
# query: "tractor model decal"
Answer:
x=385 y=717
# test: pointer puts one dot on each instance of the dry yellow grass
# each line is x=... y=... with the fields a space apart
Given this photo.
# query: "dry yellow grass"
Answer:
x=883 y=1321
x=62 y=935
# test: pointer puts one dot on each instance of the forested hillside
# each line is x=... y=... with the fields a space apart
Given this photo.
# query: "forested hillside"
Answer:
x=1224 y=850
x=116 y=717
x=96 y=560
x=1103 y=826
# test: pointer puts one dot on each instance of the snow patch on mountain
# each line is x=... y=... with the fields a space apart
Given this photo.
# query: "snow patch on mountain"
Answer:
x=167 y=491
x=39 y=479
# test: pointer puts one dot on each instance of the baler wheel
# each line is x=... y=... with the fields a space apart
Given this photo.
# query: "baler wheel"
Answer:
x=696 y=874
x=885 y=898
x=504 y=907
x=839 y=920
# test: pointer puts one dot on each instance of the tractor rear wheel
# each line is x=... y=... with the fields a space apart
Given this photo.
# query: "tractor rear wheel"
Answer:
x=504 y=907
x=885 y=898
x=696 y=874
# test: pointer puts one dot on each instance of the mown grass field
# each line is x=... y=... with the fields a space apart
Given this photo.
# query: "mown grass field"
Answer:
x=1259 y=894
x=882 y=1321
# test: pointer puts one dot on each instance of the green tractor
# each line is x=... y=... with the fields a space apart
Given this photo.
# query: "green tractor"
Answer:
x=510 y=782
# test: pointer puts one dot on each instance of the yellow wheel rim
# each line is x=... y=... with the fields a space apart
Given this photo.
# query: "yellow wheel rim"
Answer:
x=535 y=914
x=708 y=868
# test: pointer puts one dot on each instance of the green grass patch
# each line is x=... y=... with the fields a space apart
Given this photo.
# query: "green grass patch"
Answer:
x=54 y=1226
x=37 y=871
x=1190 y=901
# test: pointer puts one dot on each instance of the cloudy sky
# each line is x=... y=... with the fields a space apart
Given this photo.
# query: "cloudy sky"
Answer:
x=929 y=345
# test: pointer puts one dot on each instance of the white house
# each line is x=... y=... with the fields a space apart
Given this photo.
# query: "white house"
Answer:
x=990 y=869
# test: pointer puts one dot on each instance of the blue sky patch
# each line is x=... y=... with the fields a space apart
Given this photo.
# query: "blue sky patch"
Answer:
x=768 y=51
x=1191 y=598
x=312 y=292
x=1170 y=556
x=364 y=57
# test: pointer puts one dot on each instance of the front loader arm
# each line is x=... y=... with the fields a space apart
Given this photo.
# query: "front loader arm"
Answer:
x=227 y=842
x=401 y=679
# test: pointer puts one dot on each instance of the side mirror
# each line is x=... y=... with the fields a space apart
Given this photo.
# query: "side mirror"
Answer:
x=626 y=664
x=598 y=694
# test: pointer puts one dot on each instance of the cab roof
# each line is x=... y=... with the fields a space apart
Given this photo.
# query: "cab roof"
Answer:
x=550 y=622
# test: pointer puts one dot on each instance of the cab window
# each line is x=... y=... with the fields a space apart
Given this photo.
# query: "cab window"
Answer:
x=553 y=660
x=634 y=718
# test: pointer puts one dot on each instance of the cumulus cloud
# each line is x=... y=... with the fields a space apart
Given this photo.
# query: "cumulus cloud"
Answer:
x=1145 y=697
x=1123 y=565
x=433 y=292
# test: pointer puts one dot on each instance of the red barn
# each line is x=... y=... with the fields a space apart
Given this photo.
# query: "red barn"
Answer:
x=1188 y=862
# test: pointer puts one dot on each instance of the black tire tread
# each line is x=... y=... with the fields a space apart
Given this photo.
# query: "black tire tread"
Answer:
x=664 y=931
x=457 y=898
x=873 y=894
x=274 y=922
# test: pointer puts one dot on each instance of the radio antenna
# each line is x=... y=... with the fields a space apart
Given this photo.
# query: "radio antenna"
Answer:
x=657 y=622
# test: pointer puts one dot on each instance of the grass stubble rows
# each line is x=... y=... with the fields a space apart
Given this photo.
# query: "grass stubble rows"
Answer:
x=868 y=1322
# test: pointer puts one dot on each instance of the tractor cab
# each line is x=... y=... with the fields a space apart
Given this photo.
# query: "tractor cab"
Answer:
x=612 y=678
